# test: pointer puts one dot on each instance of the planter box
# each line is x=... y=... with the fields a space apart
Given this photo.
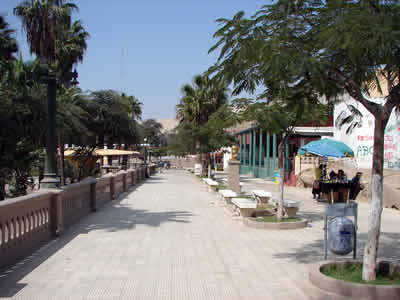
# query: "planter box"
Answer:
x=350 y=289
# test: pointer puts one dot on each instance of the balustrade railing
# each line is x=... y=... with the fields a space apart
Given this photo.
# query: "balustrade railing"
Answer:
x=26 y=222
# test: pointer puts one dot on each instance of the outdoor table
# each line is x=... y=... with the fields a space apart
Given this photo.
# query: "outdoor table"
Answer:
x=336 y=191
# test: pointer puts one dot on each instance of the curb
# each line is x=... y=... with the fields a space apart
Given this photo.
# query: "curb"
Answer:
x=275 y=226
x=350 y=289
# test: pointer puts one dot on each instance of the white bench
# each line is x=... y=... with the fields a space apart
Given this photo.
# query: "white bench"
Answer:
x=290 y=207
x=246 y=206
x=261 y=196
x=210 y=183
x=205 y=179
x=225 y=180
x=227 y=195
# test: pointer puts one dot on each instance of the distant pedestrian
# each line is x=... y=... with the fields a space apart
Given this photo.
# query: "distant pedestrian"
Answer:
x=316 y=191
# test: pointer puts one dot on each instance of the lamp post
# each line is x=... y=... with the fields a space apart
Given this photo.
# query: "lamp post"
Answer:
x=145 y=154
x=50 y=179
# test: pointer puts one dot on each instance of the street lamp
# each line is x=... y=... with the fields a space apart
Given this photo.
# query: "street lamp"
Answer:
x=145 y=154
x=50 y=179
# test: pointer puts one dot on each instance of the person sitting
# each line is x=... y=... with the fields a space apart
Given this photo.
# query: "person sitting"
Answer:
x=341 y=176
x=355 y=186
x=316 y=191
x=332 y=175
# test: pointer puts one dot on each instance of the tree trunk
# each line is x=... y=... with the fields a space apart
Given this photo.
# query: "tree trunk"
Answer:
x=62 y=166
x=21 y=183
x=2 y=189
x=376 y=202
x=281 y=163
x=100 y=141
x=201 y=163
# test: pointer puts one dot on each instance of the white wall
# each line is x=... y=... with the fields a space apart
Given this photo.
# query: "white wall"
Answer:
x=362 y=139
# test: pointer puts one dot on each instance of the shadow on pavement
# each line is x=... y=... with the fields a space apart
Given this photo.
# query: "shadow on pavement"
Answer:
x=112 y=217
x=314 y=251
x=311 y=216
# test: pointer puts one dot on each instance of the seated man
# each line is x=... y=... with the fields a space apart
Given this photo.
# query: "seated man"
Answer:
x=355 y=186
x=341 y=176
x=332 y=175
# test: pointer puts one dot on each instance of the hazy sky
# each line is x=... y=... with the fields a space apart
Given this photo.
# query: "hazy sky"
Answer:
x=148 y=49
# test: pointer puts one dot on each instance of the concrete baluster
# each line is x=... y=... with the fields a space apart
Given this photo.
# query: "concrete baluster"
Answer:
x=56 y=212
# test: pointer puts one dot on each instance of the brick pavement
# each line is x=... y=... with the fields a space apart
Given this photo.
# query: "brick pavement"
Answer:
x=171 y=239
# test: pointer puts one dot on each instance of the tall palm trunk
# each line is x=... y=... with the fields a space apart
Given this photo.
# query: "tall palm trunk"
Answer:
x=208 y=165
x=2 y=188
x=21 y=183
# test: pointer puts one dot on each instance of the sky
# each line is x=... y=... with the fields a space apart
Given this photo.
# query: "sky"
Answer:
x=148 y=49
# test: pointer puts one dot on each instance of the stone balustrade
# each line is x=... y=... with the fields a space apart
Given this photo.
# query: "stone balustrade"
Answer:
x=26 y=222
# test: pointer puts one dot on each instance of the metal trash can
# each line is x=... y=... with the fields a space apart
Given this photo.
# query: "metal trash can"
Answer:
x=340 y=235
x=342 y=231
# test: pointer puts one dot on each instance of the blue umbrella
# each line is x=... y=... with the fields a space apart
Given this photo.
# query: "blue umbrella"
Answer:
x=327 y=148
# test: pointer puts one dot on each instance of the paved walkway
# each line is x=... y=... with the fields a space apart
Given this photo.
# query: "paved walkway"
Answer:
x=171 y=239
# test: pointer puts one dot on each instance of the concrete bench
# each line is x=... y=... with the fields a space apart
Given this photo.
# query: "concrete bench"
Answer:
x=261 y=196
x=225 y=180
x=210 y=183
x=246 y=206
x=290 y=207
x=227 y=195
x=205 y=180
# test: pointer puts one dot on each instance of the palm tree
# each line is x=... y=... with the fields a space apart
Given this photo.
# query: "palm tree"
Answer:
x=112 y=117
x=44 y=22
x=71 y=119
x=200 y=101
x=8 y=45
x=21 y=133
x=134 y=105
x=151 y=129
x=71 y=47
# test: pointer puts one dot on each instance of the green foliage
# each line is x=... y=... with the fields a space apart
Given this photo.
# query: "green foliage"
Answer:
x=8 y=44
x=352 y=273
x=22 y=115
x=58 y=44
x=151 y=130
x=158 y=152
x=214 y=134
x=274 y=219
x=204 y=115
x=113 y=117
x=72 y=115
x=191 y=139
x=44 y=23
x=181 y=141
x=310 y=52
x=201 y=100
x=315 y=47
x=70 y=47
x=83 y=164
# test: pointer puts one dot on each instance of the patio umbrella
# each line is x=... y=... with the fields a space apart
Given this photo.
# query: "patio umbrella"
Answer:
x=327 y=148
